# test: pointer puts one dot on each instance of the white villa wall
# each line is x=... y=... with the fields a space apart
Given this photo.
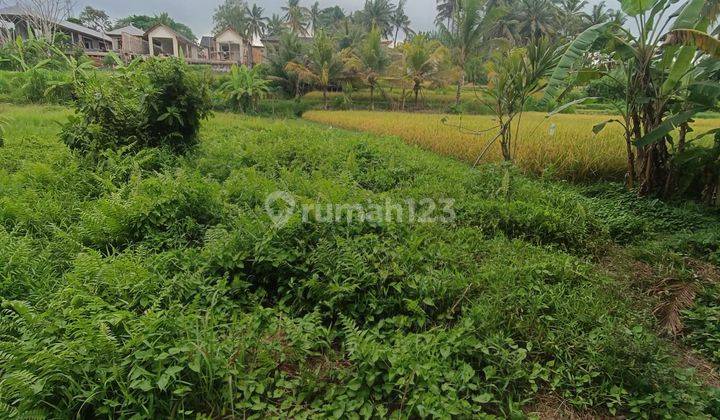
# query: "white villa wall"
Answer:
x=162 y=32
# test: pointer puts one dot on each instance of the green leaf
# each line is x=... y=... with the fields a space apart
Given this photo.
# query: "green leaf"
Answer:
x=577 y=49
x=568 y=105
x=704 y=93
x=483 y=398
x=690 y=15
x=666 y=127
x=698 y=39
x=636 y=7
x=705 y=134
x=597 y=128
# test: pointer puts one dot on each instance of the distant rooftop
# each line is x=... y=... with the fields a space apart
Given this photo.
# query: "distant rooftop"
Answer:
x=16 y=11
x=130 y=30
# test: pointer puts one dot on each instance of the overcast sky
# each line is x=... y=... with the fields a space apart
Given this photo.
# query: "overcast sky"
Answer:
x=198 y=13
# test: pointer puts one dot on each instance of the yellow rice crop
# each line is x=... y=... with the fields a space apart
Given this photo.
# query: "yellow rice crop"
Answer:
x=562 y=145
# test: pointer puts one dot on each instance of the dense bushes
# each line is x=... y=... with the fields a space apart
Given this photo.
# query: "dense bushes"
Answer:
x=34 y=86
x=168 y=291
x=157 y=103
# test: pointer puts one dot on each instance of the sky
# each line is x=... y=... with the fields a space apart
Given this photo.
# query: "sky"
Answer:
x=198 y=13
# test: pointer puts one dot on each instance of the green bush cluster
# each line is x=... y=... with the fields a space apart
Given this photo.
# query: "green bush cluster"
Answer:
x=156 y=103
x=34 y=86
x=155 y=285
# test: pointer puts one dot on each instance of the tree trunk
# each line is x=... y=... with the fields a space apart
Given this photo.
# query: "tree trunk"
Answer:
x=630 y=182
x=416 y=89
x=250 y=55
x=325 y=98
x=505 y=139
x=372 y=97
x=458 y=93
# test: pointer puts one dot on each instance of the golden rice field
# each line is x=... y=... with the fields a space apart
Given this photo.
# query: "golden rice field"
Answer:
x=563 y=146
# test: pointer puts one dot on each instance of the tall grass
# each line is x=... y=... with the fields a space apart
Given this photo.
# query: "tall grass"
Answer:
x=562 y=146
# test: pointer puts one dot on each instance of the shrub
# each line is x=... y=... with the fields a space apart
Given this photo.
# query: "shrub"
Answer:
x=159 y=103
x=174 y=102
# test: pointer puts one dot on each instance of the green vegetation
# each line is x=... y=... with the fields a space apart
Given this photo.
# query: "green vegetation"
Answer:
x=143 y=273
x=156 y=284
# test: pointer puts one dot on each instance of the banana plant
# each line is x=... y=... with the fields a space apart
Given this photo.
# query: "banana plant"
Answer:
x=245 y=87
x=77 y=70
x=657 y=65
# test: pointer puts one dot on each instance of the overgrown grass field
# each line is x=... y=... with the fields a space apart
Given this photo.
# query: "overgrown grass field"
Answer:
x=563 y=146
x=154 y=285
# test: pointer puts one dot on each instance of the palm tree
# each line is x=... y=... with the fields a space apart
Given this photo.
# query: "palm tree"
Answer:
x=445 y=11
x=400 y=21
x=323 y=66
x=275 y=25
x=422 y=62
x=536 y=19
x=466 y=37
x=289 y=49
x=314 y=16
x=296 y=17
x=369 y=62
x=377 y=13
x=332 y=17
x=255 y=26
x=599 y=14
x=573 y=14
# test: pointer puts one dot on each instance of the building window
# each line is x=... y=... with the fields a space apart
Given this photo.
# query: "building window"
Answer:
x=87 y=44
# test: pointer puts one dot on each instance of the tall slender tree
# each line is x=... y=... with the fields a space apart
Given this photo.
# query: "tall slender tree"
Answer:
x=296 y=17
x=536 y=19
x=369 y=61
x=275 y=25
x=377 y=13
x=446 y=10
x=314 y=16
x=465 y=38
x=323 y=65
x=400 y=22
x=255 y=27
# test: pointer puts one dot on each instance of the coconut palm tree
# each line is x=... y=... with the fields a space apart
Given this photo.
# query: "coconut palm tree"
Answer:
x=423 y=61
x=465 y=38
x=369 y=62
x=275 y=25
x=599 y=14
x=255 y=27
x=323 y=65
x=400 y=21
x=446 y=9
x=314 y=16
x=296 y=17
x=377 y=13
x=536 y=19
x=332 y=17
x=289 y=49
x=573 y=14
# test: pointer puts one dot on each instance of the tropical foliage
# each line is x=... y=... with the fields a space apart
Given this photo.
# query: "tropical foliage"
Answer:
x=245 y=88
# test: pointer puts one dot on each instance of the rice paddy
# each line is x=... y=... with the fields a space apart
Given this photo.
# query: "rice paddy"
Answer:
x=562 y=146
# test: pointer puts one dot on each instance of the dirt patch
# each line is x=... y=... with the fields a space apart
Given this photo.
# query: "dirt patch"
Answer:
x=551 y=406
x=706 y=371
